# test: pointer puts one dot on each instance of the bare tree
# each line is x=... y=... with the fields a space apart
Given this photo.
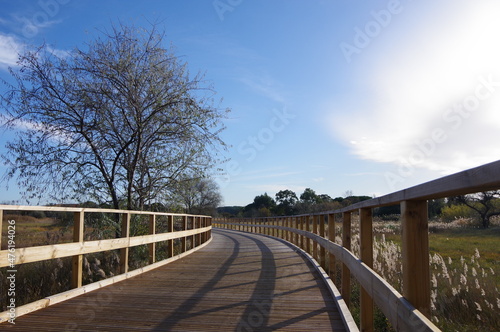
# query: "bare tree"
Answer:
x=199 y=195
x=119 y=121
x=485 y=204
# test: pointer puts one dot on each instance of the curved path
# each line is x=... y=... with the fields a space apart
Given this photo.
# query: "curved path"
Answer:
x=239 y=282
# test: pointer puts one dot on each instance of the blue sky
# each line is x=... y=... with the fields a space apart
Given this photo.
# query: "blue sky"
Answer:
x=334 y=95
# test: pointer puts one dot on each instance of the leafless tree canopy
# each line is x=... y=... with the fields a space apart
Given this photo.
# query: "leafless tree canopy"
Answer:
x=117 y=121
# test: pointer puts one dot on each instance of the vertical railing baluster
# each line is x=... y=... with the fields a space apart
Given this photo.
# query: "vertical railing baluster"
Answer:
x=170 y=243
x=415 y=252
x=346 y=243
x=322 y=251
x=125 y=234
x=77 y=261
x=308 y=229
x=366 y=256
x=184 y=239
x=302 y=239
x=331 y=237
x=314 y=243
x=152 y=246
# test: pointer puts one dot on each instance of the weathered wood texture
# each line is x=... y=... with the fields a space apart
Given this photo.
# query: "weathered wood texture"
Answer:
x=239 y=282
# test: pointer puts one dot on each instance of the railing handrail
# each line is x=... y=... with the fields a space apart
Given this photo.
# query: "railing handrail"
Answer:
x=413 y=307
x=55 y=208
x=481 y=178
x=199 y=233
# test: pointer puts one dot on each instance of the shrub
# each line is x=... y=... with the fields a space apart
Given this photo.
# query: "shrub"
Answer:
x=453 y=212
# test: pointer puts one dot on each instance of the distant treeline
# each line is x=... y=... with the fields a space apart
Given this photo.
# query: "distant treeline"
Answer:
x=481 y=209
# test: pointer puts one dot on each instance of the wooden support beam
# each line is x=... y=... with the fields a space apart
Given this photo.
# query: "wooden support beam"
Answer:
x=184 y=239
x=415 y=252
x=200 y=225
x=124 y=251
x=308 y=240
x=295 y=235
x=77 y=261
x=346 y=243
x=170 y=243
x=331 y=237
x=315 y=231
x=366 y=253
x=193 y=226
x=152 y=246
x=322 y=250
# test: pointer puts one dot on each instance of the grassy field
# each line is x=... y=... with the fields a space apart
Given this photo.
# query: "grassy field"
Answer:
x=457 y=243
x=465 y=273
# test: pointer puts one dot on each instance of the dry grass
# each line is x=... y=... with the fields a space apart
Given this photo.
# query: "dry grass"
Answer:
x=465 y=271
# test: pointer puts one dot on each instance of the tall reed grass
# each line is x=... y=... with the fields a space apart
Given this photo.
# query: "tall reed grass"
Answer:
x=464 y=292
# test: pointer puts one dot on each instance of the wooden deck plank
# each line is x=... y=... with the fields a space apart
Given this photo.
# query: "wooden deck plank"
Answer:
x=239 y=282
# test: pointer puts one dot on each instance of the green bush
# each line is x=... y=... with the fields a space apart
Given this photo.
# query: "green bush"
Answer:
x=454 y=212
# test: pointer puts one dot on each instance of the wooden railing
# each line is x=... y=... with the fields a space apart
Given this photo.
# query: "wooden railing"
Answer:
x=190 y=228
x=411 y=310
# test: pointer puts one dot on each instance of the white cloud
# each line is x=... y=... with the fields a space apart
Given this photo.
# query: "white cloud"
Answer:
x=410 y=115
x=9 y=50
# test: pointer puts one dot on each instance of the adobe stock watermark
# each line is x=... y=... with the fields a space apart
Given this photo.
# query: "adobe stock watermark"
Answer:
x=87 y=311
x=256 y=318
x=363 y=36
x=12 y=271
x=223 y=6
x=453 y=119
x=49 y=9
x=252 y=145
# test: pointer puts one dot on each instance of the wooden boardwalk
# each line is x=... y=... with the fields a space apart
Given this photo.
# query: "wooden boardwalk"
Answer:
x=239 y=282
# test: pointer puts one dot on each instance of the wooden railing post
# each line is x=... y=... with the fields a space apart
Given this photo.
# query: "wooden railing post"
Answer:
x=184 y=239
x=346 y=243
x=366 y=253
x=152 y=246
x=77 y=263
x=303 y=228
x=202 y=224
x=124 y=251
x=209 y=223
x=193 y=226
x=331 y=237
x=295 y=238
x=281 y=222
x=170 y=243
x=287 y=233
x=308 y=229
x=199 y=225
x=314 y=243
x=322 y=251
x=415 y=254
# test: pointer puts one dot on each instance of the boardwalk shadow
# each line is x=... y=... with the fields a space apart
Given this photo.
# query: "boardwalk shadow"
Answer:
x=255 y=307
x=182 y=312
x=256 y=314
